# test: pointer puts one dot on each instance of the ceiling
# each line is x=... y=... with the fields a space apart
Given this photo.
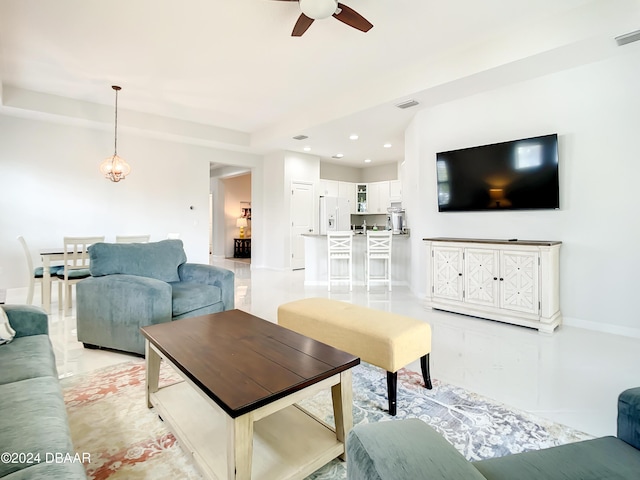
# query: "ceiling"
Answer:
x=233 y=64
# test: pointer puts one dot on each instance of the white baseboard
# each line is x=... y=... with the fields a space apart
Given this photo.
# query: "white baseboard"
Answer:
x=602 y=327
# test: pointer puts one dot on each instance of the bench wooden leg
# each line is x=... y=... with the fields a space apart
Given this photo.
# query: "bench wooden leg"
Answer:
x=426 y=375
x=392 y=389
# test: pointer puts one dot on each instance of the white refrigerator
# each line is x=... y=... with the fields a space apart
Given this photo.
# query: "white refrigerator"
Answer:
x=335 y=214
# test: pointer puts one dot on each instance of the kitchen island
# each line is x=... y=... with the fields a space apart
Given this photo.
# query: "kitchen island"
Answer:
x=315 y=256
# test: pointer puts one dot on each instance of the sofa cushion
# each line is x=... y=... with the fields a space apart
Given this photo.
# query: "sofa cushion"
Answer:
x=629 y=417
x=27 y=320
x=51 y=471
x=6 y=332
x=188 y=296
x=407 y=449
x=27 y=357
x=159 y=260
x=33 y=420
x=606 y=457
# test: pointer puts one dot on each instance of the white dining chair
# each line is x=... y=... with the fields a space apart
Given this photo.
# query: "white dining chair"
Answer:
x=339 y=250
x=132 y=238
x=378 y=250
x=36 y=274
x=75 y=265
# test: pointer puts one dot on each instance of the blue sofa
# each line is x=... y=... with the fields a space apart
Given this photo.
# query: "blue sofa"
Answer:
x=137 y=284
x=410 y=449
x=34 y=431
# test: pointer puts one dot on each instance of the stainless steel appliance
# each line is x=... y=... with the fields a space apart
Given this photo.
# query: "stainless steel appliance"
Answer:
x=396 y=217
x=335 y=215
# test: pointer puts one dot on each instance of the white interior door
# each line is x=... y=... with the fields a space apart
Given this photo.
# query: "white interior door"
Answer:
x=301 y=220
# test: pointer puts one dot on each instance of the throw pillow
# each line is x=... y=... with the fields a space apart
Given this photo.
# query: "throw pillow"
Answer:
x=6 y=332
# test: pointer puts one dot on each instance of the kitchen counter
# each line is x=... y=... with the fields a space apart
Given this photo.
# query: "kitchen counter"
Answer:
x=355 y=234
x=315 y=253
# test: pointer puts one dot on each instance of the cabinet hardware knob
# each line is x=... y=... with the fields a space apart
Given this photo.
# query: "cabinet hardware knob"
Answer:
x=459 y=274
x=495 y=278
x=502 y=279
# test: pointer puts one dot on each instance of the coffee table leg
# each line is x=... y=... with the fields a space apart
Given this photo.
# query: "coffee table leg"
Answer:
x=153 y=370
x=342 y=396
x=239 y=447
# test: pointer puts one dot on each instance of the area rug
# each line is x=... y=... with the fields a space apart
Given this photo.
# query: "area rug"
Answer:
x=110 y=421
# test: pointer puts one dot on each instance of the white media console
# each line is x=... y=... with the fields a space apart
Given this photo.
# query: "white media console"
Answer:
x=512 y=281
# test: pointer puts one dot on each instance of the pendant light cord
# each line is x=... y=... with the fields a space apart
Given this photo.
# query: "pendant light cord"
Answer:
x=115 y=136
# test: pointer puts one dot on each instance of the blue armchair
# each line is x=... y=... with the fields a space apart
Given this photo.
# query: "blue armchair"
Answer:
x=139 y=284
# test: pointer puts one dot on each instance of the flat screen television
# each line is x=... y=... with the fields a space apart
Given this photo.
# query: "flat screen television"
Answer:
x=516 y=175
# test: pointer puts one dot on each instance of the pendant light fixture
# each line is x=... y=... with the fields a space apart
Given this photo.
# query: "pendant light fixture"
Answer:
x=115 y=168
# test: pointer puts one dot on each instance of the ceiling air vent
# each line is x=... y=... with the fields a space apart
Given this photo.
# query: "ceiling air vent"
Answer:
x=300 y=137
x=628 y=38
x=407 y=104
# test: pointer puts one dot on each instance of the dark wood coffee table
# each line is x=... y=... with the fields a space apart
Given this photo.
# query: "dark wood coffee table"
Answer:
x=236 y=411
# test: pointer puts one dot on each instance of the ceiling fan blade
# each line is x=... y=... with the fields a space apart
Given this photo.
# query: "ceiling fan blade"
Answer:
x=352 y=18
x=301 y=25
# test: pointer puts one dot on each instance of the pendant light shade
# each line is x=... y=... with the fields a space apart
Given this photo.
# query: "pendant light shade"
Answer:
x=115 y=168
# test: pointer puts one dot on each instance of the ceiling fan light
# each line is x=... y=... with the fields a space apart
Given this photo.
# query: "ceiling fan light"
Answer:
x=318 y=9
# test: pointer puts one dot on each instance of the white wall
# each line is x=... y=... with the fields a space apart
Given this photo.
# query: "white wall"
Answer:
x=377 y=173
x=275 y=217
x=50 y=187
x=594 y=109
x=344 y=173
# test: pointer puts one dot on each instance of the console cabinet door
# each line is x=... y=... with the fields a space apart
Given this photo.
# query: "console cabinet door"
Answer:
x=515 y=283
x=481 y=279
x=447 y=272
x=519 y=281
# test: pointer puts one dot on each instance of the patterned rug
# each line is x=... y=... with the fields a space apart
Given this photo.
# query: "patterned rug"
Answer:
x=109 y=420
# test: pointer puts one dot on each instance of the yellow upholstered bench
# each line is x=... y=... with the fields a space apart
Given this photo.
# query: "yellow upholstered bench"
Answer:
x=384 y=339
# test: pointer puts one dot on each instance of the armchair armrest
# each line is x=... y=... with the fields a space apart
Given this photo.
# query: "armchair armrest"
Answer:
x=629 y=417
x=27 y=320
x=211 y=275
x=403 y=449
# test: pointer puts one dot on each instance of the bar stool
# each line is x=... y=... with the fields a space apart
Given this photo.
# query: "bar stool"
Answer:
x=340 y=248
x=378 y=248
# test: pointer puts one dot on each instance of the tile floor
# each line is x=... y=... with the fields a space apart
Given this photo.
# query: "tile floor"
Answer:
x=572 y=376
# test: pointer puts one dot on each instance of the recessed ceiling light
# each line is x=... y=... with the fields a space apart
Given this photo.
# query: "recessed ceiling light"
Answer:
x=300 y=137
x=307 y=148
x=387 y=145
x=368 y=160
x=353 y=136
x=338 y=155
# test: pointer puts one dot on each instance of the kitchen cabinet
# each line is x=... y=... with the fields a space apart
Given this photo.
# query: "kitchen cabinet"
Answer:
x=329 y=188
x=374 y=198
x=362 y=198
x=378 y=197
x=510 y=281
x=395 y=191
x=348 y=190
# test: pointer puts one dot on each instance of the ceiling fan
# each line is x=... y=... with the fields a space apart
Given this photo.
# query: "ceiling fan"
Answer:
x=319 y=9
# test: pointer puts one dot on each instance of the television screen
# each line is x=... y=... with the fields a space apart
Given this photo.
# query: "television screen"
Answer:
x=515 y=175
